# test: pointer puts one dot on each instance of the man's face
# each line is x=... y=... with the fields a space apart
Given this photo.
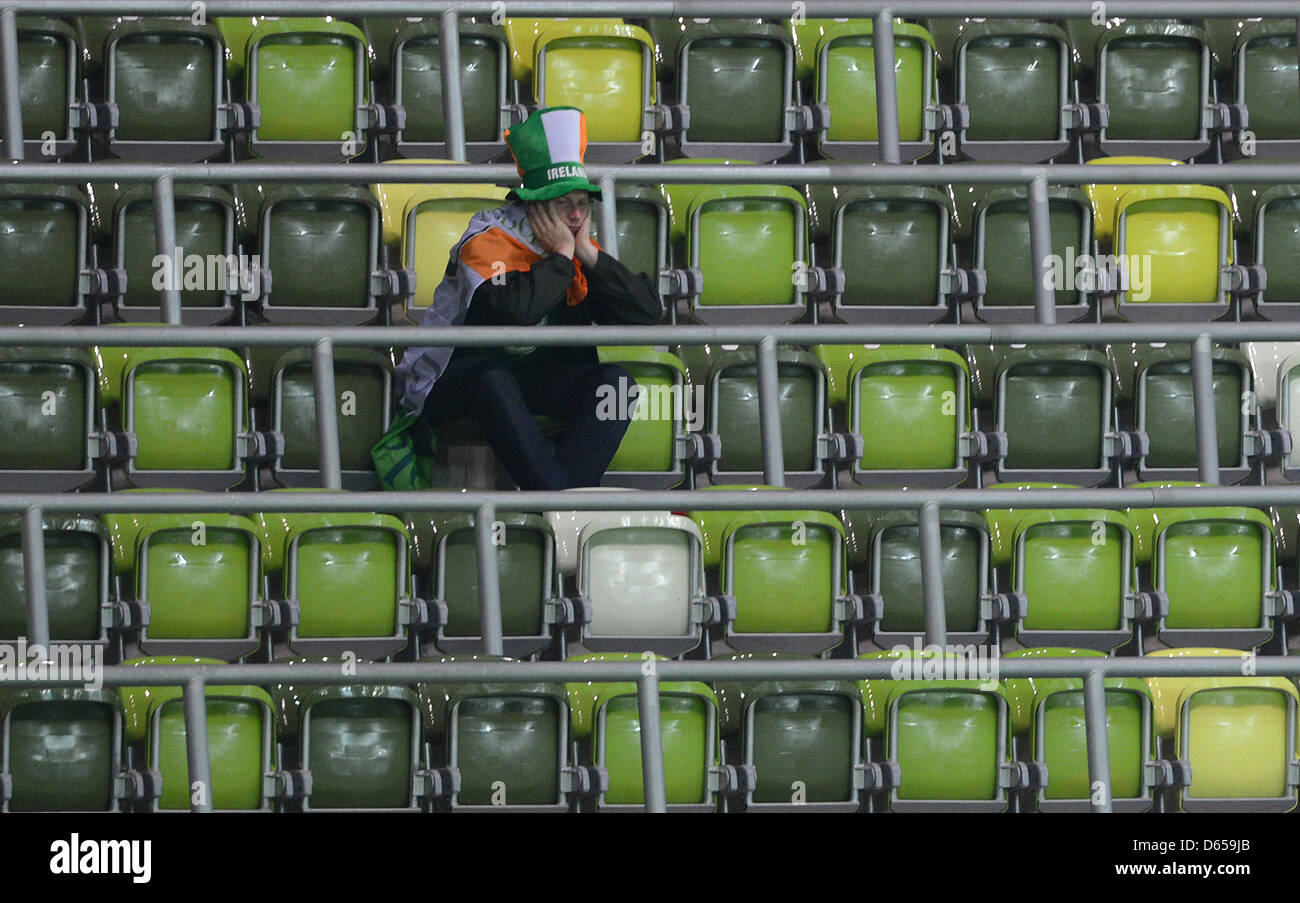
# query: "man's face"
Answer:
x=572 y=209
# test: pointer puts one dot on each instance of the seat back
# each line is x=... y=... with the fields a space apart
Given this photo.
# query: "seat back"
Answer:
x=362 y=746
x=44 y=246
x=48 y=403
x=433 y=222
x=62 y=750
x=665 y=408
x=1155 y=79
x=49 y=80
x=78 y=579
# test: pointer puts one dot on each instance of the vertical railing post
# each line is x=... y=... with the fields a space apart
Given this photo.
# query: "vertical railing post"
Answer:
x=608 y=217
x=489 y=586
x=453 y=105
x=196 y=745
x=882 y=41
x=164 y=228
x=1040 y=248
x=936 y=620
x=10 y=94
x=1094 y=717
x=769 y=414
x=652 y=747
x=38 y=612
x=1207 y=431
x=327 y=415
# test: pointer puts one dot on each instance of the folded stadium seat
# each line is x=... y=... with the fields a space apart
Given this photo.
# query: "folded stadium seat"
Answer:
x=1181 y=236
x=1153 y=77
x=526 y=569
x=326 y=240
x=205 y=268
x=1288 y=407
x=1265 y=80
x=733 y=415
x=508 y=743
x=1163 y=409
x=1014 y=78
x=1237 y=733
x=894 y=568
x=846 y=81
x=788 y=574
x=1054 y=404
x=363 y=383
x=805 y=34
x=197 y=581
x=653 y=452
x=309 y=80
x=522 y=34
x=46 y=274
x=187 y=409
x=1075 y=568
x=1003 y=522
x=947 y=737
x=362 y=745
x=1002 y=251
x=868 y=229
x=803 y=738
x=416 y=76
x=62 y=750
x=345 y=580
x=642 y=227
x=48 y=406
x=607 y=713
x=166 y=78
x=1276 y=223
x=1267 y=364
x=78 y=579
x=1105 y=197
x=606 y=69
x=1051 y=712
x=49 y=82
x=918 y=399
x=736 y=80
x=241 y=741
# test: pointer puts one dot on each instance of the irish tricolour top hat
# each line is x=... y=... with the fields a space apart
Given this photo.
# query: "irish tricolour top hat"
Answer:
x=548 y=148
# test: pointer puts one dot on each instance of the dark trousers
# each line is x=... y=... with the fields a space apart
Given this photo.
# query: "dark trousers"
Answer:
x=503 y=400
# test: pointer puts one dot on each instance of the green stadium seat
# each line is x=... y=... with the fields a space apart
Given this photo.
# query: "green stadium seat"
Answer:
x=61 y=749
x=1014 y=78
x=188 y=411
x=167 y=79
x=845 y=80
x=49 y=84
x=45 y=248
x=49 y=408
x=1050 y=711
x=803 y=738
x=607 y=713
x=78 y=579
x=642 y=226
x=508 y=742
x=416 y=75
x=345 y=580
x=205 y=269
x=1276 y=223
x=948 y=737
x=1265 y=79
x=309 y=80
x=197 y=576
x=320 y=255
x=235 y=32
x=522 y=34
x=241 y=741
x=652 y=453
x=1003 y=522
x=1153 y=77
x=1288 y=406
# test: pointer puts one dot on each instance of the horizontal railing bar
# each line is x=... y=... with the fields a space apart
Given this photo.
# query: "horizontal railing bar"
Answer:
x=654 y=174
x=777 y=669
x=674 y=500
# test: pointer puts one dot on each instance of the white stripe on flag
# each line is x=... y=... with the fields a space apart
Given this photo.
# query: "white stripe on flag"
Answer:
x=562 y=127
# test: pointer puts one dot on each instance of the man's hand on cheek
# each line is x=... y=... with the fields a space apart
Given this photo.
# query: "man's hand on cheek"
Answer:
x=552 y=234
x=584 y=247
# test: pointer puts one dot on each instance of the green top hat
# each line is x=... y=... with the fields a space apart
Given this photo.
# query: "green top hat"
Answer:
x=548 y=148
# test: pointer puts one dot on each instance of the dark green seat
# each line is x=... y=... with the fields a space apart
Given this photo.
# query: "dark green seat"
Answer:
x=363 y=383
x=802 y=737
x=48 y=405
x=508 y=741
x=649 y=456
x=78 y=579
x=1265 y=80
x=1002 y=251
x=642 y=226
x=320 y=244
x=894 y=568
x=167 y=78
x=737 y=80
x=416 y=74
x=1276 y=242
x=202 y=267
x=44 y=246
x=49 y=82
x=62 y=750
x=1153 y=77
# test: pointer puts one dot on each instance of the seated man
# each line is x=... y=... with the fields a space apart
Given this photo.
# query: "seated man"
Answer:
x=533 y=262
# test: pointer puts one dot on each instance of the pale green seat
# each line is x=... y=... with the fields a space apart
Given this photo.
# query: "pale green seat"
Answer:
x=649 y=456
x=62 y=750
